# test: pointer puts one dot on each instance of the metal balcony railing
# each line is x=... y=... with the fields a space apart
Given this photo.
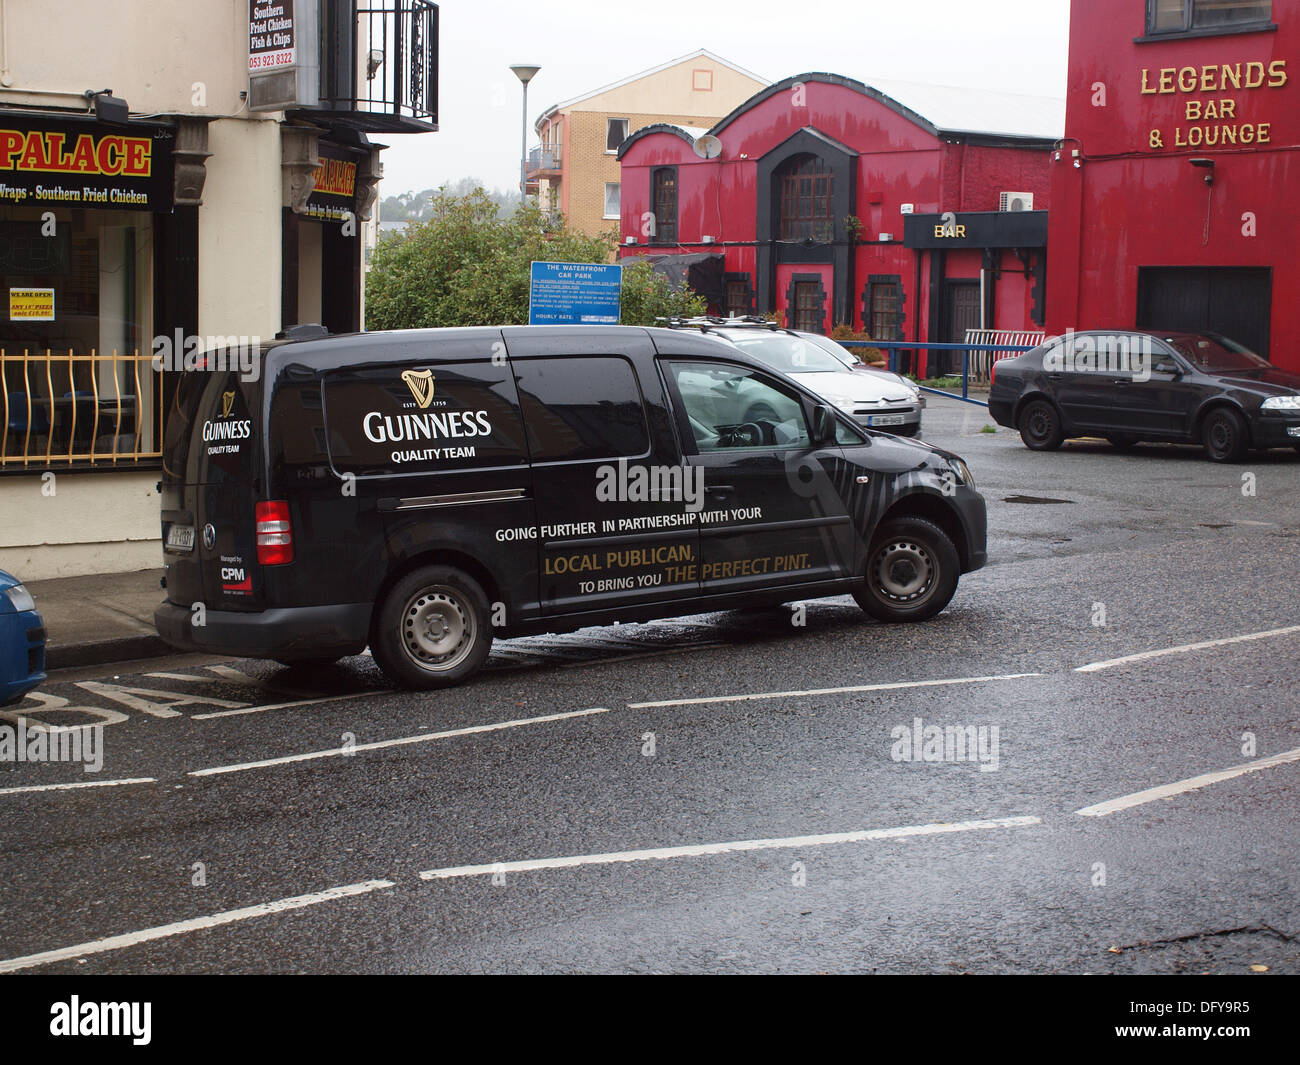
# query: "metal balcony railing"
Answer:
x=379 y=63
x=543 y=157
x=79 y=410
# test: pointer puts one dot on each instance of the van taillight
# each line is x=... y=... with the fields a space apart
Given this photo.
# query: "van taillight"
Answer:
x=274 y=534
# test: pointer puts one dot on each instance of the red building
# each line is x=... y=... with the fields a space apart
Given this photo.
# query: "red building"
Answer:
x=1173 y=194
x=834 y=202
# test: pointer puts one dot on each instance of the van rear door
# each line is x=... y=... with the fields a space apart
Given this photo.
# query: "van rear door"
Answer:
x=211 y=474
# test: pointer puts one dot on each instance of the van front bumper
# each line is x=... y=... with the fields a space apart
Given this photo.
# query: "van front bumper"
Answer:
x=283 y=632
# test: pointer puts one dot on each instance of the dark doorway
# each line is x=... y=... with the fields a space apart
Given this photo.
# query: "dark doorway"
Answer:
x=961 y=311
x=1233 y=300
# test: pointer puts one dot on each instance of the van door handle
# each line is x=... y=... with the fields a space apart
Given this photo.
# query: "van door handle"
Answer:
x=719 y=490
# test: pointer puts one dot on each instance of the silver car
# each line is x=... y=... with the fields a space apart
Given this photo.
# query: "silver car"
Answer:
x=874 y=399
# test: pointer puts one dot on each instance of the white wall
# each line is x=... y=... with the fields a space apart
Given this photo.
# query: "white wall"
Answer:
x=93 y=523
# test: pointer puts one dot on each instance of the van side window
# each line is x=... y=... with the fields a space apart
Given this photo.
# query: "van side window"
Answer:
x=734 y=407
x=581 y=408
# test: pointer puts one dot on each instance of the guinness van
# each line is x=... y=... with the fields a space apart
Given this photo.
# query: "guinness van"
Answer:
x=422 y=492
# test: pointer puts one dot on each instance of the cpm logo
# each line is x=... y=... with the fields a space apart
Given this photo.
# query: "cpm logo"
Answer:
x=420 y=382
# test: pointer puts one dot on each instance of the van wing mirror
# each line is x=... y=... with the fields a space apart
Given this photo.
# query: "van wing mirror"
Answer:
x=823 y=425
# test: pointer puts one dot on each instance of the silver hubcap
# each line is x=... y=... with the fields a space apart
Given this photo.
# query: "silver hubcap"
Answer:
x=903 y=571
x=438 y=628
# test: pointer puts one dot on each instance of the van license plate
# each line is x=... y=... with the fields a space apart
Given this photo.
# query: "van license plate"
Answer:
x=885 y=419
x=180 y=537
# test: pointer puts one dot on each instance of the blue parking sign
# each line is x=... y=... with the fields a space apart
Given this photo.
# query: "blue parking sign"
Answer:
x=575 y=294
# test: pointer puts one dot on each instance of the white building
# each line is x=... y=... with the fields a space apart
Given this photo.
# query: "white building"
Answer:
x=220 y=190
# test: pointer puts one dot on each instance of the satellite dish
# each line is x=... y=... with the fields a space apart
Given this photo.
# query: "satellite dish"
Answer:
x=707 y=146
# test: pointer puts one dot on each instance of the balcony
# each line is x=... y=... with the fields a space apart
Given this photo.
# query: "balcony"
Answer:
x=379 y=65
x=544 y=159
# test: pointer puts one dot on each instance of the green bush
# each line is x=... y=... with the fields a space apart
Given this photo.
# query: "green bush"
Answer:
x=470 y=264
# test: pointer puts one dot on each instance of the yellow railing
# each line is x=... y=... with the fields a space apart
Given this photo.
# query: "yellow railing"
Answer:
x=104 y=411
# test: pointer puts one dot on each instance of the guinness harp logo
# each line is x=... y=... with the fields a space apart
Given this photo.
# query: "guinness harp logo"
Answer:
x=420 y=382
x=227 y=403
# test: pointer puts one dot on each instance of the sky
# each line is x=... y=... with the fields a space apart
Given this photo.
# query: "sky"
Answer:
x=1006 y=45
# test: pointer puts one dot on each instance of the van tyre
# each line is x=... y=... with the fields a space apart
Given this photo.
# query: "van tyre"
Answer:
x=1040 y=426
x=912 y=571
x=433 y=629
x=1224 y=435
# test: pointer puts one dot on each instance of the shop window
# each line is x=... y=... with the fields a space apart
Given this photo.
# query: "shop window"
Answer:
x=1183 y=16
x=78 y=387
x=664 y=200
x=615 y=133
x=804 y=186
x=612 y=199
x=883 y=307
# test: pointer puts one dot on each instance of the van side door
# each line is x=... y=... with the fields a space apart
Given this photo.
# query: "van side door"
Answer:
x=435 y=440
x=773 y=515
x=617 y=524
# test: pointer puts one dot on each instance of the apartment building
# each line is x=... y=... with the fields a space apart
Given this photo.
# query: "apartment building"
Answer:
x=574 y=169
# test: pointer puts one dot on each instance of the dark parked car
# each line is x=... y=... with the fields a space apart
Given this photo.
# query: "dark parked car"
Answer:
x=1136 y=386
x=22 y=641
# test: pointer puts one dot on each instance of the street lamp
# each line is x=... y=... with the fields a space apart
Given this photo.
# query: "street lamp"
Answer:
x=525 y=74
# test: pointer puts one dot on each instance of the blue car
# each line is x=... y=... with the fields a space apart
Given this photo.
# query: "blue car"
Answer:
x=22 y=641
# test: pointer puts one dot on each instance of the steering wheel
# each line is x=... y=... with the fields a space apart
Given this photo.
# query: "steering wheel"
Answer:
x=745 y=435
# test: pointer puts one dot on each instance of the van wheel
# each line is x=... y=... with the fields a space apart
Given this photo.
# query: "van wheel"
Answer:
x=433 y=629
x=911 y=572
x=1040 y=426
x=1224 y=435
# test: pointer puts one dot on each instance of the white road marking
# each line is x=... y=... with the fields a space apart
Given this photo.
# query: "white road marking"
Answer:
x=194 y=924
x=178 y=676
x=1168 y=791
x=698 y=850
x=424 y=737
x=1093 y=667
x=79 y=784
x=289 y=705
x=831 y=691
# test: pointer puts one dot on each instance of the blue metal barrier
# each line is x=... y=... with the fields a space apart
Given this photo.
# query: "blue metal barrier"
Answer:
x=892 y=347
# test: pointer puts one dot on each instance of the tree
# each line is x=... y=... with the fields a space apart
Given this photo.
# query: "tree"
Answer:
x=469 y=264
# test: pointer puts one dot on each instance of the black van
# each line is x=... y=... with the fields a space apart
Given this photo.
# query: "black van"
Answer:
x=420 y=492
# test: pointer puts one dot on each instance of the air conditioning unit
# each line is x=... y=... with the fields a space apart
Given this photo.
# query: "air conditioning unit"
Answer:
x=1015 y=201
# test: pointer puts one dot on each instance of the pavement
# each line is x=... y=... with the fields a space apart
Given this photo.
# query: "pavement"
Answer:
x=104 y=617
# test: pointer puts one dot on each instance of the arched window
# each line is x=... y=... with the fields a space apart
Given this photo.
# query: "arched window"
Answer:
x=804 y=185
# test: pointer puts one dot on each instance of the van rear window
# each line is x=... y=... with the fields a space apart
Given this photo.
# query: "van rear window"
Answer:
x=582 y=408
x=209 y=433
x=427 y=418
